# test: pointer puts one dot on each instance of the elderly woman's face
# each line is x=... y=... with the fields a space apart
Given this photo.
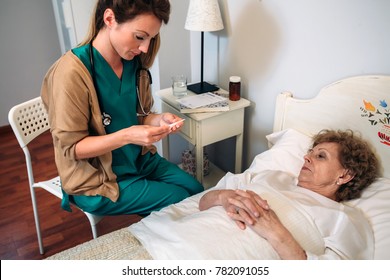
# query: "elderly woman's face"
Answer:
x=322 y=171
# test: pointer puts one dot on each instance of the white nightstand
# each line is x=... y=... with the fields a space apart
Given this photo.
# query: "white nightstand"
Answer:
x=202 y=129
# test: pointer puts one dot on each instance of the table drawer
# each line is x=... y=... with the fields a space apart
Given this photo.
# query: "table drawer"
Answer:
x=187 y=130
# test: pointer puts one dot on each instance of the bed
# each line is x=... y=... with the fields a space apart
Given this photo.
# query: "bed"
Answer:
x=358 y=103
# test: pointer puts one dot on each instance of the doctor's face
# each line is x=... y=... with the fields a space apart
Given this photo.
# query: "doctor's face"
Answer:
x=131 y=38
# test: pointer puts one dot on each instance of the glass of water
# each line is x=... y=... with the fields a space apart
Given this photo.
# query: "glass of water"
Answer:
x=179 y=85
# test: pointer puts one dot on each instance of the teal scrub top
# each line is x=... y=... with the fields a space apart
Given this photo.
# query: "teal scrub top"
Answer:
x=118 y=98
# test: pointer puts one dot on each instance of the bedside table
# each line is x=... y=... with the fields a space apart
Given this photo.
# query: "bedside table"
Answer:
x=202 y=129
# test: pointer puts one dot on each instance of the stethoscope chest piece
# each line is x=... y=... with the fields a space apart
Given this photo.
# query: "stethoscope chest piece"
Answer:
x=106 y=119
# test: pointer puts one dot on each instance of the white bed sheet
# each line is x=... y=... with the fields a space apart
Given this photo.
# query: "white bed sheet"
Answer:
x=181 y=231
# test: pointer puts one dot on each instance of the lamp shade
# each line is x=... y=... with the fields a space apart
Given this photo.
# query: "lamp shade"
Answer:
x=203 y=15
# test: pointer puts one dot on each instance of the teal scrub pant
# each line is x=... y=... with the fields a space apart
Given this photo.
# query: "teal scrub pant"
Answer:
x=167 y=184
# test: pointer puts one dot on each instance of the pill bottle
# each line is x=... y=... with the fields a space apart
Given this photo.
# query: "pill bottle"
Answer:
x=234 y=88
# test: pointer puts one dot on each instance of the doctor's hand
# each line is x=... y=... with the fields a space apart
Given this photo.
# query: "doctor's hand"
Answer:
x=172 y=121
x=142 y=135
x=145 y=135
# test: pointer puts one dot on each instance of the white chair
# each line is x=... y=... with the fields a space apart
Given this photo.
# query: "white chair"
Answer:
x=29 y=120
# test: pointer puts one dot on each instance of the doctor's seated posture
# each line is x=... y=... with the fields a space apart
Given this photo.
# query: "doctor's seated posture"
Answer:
x=337 y=168
x=99 y=102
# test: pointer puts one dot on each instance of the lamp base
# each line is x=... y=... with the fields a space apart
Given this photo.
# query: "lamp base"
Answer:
x=202 y=87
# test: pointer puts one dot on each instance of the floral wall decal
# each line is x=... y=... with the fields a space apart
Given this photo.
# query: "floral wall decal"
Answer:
x=378 y=114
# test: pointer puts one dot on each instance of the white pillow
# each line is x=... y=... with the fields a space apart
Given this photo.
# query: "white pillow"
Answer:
x=375 y=204
x=286 y=153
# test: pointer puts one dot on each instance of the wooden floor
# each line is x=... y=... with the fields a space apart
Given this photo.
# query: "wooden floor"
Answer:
x=60 y=229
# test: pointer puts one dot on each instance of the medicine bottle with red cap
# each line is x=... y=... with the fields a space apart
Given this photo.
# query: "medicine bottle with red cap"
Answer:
x=234 y=88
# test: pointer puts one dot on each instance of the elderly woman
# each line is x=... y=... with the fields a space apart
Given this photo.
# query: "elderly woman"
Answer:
x=338 y=167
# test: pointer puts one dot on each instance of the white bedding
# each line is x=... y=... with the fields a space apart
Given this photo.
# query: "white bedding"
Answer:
x=182 y=232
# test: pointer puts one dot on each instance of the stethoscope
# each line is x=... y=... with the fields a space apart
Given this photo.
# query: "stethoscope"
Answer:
x=106 y=118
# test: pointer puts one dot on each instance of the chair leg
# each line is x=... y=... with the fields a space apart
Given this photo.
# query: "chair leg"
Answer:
x=93 y=220
x=94 y=231
x=37 y=224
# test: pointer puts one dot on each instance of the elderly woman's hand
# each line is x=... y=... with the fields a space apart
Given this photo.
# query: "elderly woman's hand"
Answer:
x=268 y=226
x=245 y=206
x=242 y=206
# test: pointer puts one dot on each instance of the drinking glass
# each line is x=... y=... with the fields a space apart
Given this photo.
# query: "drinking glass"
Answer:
x=179 y=85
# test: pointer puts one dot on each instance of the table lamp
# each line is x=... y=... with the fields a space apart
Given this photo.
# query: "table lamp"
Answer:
x=203 y=15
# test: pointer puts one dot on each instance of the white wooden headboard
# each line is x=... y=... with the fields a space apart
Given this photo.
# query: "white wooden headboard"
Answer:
x=360 y=103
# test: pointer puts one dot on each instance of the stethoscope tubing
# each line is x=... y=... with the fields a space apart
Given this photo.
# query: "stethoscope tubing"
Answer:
x=106 y=118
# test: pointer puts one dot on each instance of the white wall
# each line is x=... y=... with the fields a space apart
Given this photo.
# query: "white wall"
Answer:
x=300 y=46
x=174 y=58
x=29 y=45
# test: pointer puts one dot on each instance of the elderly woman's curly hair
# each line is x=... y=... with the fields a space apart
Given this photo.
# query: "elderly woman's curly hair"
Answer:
x=357 y=156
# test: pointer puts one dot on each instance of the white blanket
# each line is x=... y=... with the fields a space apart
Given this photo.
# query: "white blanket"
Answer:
x=181 y=231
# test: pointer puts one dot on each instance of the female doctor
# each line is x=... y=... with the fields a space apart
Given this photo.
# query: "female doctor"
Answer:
x=99 y=104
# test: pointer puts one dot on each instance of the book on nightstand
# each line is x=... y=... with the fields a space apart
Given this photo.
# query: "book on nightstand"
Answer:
x=203 y=103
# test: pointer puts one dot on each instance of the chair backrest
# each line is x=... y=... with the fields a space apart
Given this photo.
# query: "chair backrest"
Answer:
x=28 y=120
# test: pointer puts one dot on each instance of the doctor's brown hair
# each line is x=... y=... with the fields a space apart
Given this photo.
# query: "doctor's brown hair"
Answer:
x=127 y=10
